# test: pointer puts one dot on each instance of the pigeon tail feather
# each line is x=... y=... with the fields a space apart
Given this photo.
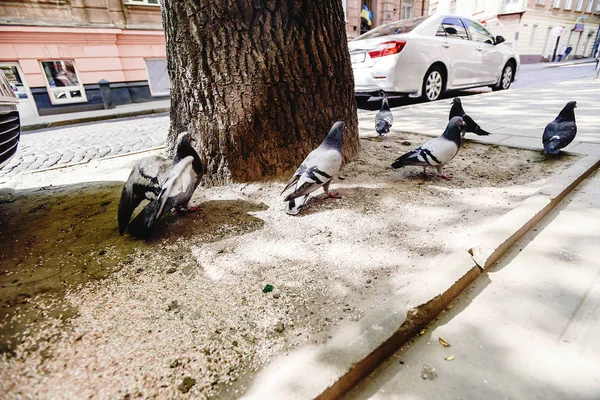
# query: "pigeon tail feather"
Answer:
x=293 y=206
x=126 y=207
x=382 y=127
x=142 y=225
x=410 y=158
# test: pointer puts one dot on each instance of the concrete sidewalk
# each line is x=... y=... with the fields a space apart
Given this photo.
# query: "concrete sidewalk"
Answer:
x=129 y=110
x=515 y=118
x=525 y=329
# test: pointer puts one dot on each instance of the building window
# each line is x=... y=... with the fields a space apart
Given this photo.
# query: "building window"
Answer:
x=556 y=4
x=579 y=6
x=64 y=85
x=452 y=6
x=598 y=6
x=568 y=4
x=158 y=77
x=407 y=8
x=590 y=6
x=532 y=37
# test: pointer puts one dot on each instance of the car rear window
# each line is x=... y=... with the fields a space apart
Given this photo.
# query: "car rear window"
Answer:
x=395 y=28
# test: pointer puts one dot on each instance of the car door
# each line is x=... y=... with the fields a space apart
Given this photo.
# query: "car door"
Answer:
x=457 y=51
x=489 y=57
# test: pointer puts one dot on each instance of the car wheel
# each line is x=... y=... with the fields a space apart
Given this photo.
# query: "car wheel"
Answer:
x=433 y=84
x=506 y=78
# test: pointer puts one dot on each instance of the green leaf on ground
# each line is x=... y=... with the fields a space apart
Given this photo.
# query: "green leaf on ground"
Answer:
x=268 y=288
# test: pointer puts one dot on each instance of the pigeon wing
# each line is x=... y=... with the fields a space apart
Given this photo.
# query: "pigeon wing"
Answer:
x=322 y=165
x=435 y=153
x=143 y=183
x=383 y=121
x=177 y=190
x=558 y=135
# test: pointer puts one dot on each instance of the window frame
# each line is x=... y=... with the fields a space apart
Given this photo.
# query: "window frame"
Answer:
x=568 y=4
x=556 y=4
x=462 y=23
x=152 y=92
x=579 y=6
x=68 y=89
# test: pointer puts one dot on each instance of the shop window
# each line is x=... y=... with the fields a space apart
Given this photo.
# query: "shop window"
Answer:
x=64 y=85
x=158 y=77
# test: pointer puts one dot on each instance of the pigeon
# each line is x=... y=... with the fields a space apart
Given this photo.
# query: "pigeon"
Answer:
x=384 y=118
x=318 y=169
x=560 y=132
x=166 y=183
x=457 y=111
x=437 y=152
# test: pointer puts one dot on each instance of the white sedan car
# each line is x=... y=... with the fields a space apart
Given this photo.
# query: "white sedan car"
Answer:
x=428 y=55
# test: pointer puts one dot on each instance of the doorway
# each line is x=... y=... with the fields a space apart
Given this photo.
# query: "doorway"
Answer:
x=26 y=106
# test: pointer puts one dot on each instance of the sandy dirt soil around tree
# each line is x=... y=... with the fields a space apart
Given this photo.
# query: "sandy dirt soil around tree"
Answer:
x=86 y=313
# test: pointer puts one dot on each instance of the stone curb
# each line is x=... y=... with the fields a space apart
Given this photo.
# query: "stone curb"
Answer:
x=357 y=348
x=81 y=120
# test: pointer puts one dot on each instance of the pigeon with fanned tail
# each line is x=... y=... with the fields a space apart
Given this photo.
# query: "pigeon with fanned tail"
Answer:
x=318 y=169
x=437 y=152
x=457 y=111
x=560 y=132
x=384 y=118
x=166 y=183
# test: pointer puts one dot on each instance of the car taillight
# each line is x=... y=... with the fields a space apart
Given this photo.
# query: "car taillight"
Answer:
x=388 y=48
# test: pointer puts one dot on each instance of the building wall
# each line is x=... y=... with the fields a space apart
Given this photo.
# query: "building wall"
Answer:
x=104 y=39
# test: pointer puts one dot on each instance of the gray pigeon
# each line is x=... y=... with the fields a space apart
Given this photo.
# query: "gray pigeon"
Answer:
x=560 y=132
x=384 y=118
x=166 y=183
x=457 y=111
x=318 y=169
x=437 y=152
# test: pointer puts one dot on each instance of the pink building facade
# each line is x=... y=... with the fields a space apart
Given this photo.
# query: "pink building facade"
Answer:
x=56 y=52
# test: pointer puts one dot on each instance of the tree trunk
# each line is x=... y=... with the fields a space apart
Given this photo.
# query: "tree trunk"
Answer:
x=258 y=83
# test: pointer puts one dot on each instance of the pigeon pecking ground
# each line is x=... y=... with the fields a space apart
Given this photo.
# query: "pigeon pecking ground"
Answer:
x=87 y=313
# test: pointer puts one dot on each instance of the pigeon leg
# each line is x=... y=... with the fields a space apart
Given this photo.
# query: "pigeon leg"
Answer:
x=185 y=209
x=449 y=177
x=428 y=175
x=329 y=194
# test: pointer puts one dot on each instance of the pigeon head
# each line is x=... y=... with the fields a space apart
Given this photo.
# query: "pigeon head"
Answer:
x=456 y=110
x=568 y=112
x=334 y=137
x=455 y=130
x=384 y=104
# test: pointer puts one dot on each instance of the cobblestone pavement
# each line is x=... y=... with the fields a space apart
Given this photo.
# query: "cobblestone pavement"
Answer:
x=80 y=143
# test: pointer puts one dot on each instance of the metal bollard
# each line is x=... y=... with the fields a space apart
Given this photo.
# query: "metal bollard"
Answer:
x=105 y=92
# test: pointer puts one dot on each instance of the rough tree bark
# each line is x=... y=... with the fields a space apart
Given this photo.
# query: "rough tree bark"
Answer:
x=258 y=83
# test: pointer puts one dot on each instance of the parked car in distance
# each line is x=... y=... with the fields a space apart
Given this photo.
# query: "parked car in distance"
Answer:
x=10 y=128
x=427 y=56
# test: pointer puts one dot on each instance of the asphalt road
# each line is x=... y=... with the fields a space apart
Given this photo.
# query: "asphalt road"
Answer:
x=529 y=75
x=80 y=143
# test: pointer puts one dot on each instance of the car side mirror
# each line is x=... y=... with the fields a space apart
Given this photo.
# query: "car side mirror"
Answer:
x=499 y=39
x=451 y=31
